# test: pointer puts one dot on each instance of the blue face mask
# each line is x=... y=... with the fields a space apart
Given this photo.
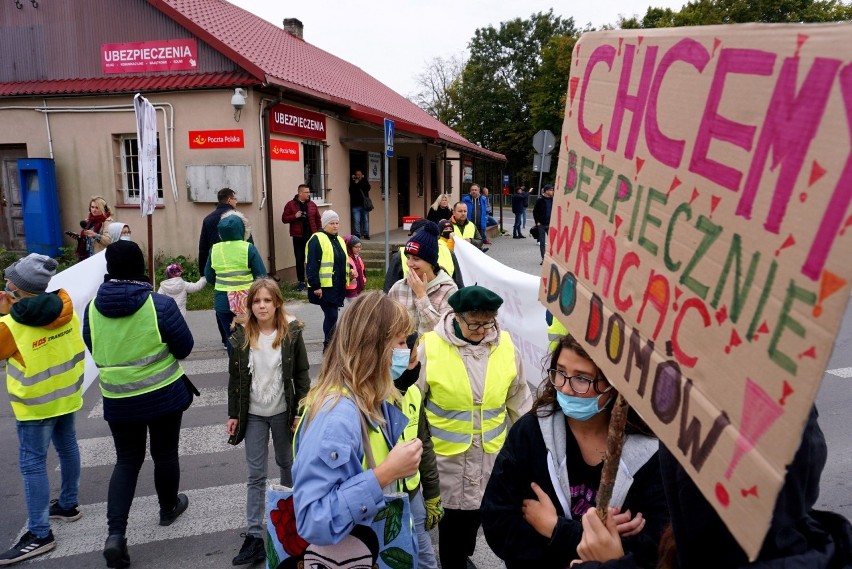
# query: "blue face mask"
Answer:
x=579 y=408
x=399 y=361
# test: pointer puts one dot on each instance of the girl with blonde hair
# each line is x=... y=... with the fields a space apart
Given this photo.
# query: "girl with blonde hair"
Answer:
x=352 y=402
x=268 y=378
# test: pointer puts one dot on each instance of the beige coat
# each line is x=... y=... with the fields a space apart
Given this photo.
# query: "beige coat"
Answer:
x=464 y=476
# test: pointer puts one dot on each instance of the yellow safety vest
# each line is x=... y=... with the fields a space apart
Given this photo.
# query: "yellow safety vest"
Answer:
x=230 y=261
x=51 y=383
x=411 y=402
x=469 y=231
x=378 y=442
x=445 y=259
x=326 y=270
x=450 y=407
x=554 y=332
x=131 y=356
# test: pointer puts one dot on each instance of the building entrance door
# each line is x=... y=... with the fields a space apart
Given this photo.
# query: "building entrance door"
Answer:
x=12 y=235
x=403 y=187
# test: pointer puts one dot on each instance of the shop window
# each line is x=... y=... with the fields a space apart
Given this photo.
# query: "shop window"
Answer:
x=316 y=169
x=126 y=149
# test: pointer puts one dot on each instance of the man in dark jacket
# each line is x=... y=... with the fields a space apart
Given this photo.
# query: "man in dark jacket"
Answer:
x=303 y=216
x=541 y=216
x=519 y=205
x=359 y=187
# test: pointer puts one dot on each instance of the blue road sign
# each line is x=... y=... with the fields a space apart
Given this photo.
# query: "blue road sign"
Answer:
x=505 y=179
x=389 y=134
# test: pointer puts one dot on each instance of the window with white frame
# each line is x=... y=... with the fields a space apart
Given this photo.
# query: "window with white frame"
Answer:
x=316 y=170
x=127 y=169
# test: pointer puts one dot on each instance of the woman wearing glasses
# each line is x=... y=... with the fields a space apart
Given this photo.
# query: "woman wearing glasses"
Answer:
x=548 y=472
x=473 y=386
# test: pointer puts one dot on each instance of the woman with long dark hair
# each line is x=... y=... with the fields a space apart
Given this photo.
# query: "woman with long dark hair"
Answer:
x=548 y=472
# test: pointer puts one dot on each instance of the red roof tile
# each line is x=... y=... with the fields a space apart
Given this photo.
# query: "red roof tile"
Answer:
x=126 y=84
x=279 y=58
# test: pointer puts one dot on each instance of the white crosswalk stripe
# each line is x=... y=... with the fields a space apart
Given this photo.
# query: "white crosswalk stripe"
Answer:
x=844 y=372
x=210 y=396
x=210 y=510
x=100 y=451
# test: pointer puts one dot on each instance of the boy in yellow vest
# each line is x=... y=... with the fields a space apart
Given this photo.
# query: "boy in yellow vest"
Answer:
x=473 y=385
x=41 y=341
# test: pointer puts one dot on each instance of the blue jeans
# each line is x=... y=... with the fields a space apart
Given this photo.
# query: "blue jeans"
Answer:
x=516 y=229
x=425 y=551
x=524 y=218
x=34 y=437
x=257 y=453
x=361 y=219
x=224 y=320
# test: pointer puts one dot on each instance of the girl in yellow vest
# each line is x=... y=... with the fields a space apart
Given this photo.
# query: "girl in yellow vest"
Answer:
x=268 y=377
x=231 y=267
x=333 y=487
x=474 y=388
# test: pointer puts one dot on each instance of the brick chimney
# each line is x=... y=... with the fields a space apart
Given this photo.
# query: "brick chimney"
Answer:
x=294 y=27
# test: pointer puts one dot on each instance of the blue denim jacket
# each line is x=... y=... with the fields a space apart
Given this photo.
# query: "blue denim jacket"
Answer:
x=331 y=490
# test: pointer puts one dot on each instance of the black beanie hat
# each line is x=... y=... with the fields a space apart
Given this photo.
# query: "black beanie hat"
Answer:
x=424 y=244
x=125 y=261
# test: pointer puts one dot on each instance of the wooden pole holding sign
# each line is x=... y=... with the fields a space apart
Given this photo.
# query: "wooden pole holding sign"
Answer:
x=614 y=446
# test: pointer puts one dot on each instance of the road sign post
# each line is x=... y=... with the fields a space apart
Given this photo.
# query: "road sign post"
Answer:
x=543 y=143
x=389 y=136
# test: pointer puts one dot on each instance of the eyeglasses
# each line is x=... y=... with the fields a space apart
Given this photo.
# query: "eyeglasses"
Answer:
x=474 y=326
x=580 y=384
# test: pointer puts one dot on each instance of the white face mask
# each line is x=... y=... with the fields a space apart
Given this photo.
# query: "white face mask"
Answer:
x=124 y=238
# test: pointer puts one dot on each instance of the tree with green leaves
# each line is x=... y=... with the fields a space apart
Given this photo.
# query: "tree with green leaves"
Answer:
x=708 y=12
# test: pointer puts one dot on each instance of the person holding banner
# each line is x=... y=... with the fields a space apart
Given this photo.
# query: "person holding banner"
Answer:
x=799 y=536
x=350 y=420
x=473 y=385
x=548 y=473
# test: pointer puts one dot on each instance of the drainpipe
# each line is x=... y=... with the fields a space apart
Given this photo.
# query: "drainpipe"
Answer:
x=267 y=161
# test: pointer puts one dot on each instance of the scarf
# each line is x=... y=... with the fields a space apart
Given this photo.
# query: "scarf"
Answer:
x=86 y=245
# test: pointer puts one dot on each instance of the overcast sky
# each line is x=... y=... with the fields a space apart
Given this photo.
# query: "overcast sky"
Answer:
x=393 y=40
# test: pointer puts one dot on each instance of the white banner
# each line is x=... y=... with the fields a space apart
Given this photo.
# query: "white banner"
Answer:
x=146 y=137
x=521 y=314
x=81 y=282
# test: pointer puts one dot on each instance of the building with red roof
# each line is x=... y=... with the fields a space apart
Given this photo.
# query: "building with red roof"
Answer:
x=240 y=103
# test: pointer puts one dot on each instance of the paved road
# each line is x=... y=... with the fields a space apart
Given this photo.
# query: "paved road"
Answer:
x=214 y=472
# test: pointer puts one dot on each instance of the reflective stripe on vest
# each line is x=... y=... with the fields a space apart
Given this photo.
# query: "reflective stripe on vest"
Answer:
x=230 y=261
x=326 y=269
x=131 y=356
x=411 y=402
x=45 y=388
x=445 y=259
x=450 y=407
x=554 y=333
x=469 y=231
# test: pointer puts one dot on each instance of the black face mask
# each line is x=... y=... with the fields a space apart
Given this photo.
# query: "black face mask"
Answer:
x=407 y=379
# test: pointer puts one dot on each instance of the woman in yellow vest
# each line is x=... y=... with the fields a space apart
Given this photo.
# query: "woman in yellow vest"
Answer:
x=327 y=272
x=232 y=266
x=473 y=386
x=136 y=337
x=40 y=341
x=333 y=487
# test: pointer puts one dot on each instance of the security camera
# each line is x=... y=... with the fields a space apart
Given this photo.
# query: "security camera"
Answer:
x=238 y=99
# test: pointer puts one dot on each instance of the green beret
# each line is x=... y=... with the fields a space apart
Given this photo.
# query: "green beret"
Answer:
x=472 y=298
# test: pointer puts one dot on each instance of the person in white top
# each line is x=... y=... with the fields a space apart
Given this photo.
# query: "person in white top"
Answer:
x=177 y=288
x=268 y=379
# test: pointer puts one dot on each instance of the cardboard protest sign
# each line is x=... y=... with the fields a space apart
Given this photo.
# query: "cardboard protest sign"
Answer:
x=698 y=241
x=521 y=315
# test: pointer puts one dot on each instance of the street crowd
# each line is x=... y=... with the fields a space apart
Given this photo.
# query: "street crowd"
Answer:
x=419 y=393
